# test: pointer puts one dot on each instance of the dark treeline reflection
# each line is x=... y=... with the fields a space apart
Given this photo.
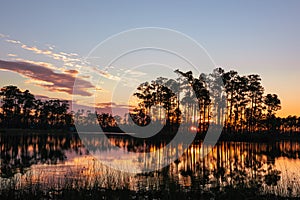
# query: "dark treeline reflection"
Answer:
x=229 y=164
x=20 y=151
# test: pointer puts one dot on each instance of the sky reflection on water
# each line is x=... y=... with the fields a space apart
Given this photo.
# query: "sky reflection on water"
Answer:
x=55 y=161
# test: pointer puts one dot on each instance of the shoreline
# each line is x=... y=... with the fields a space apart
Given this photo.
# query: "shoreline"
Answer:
x=224 y=137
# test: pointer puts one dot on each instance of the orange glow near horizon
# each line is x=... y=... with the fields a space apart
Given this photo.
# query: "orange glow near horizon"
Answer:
x=289 y=107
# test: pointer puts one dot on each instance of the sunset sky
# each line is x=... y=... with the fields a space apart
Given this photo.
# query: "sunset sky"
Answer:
x=43 y=44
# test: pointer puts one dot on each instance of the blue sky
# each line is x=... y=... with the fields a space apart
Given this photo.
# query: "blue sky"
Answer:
x=251 y=37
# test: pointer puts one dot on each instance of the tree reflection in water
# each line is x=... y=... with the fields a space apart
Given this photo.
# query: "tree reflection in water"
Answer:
x=61 y=161
x=20 y=151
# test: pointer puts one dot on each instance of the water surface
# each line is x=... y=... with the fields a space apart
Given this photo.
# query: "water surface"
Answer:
x=61 y=161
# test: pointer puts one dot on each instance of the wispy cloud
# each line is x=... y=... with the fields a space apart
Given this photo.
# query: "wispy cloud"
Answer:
x=68 y=59
x=105 y=74
x=72 y=71
x=14 y=41
x=39 y=82
x=71 y=62
x=3 y=35
x=43 y=64
x=42 y=97
x=47 y=78
x=134 y=73
x=113 y=105
x=36 y=50
x=11 y=55
x=113 y=108
x=50 y=46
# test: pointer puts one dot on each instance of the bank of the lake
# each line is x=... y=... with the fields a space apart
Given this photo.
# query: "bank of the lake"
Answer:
x=264 y=137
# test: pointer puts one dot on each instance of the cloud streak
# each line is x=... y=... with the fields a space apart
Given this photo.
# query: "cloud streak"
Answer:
x=105 y=74
x=14 y=41
x=12 y=55
x=36 y=50
x=47 y=78
x=3 y=35
x=113 y=105
x=71 y=61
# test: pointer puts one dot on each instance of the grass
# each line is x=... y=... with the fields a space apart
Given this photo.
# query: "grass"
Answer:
x=117 y=185
x=101 y=193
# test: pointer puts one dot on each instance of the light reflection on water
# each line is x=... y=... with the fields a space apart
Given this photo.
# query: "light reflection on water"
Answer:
x=55 y=161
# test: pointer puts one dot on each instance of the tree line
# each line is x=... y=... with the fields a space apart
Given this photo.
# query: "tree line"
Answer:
x=21 y=109
x=225 y=98
x=237 y=102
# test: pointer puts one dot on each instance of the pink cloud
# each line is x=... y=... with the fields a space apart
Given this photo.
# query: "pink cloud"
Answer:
x=58 y=82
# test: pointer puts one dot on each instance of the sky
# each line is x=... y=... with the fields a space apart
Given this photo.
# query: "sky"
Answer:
x=43 y=44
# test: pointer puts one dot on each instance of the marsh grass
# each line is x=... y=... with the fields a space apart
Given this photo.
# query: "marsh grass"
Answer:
x=101 y=182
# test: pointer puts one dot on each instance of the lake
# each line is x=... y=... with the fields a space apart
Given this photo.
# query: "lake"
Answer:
x=60 y=160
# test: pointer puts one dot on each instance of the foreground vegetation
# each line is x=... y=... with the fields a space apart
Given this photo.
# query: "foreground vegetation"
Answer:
x=98 y=193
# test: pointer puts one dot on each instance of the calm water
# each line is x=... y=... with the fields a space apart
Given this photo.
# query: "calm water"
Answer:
x=61 y=161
